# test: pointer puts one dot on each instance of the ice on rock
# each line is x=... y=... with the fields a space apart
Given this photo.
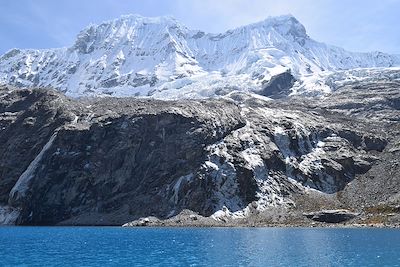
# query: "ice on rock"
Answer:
x=22 y=185
x=8 y=215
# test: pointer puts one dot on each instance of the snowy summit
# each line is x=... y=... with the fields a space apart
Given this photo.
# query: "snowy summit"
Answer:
x=161 y=58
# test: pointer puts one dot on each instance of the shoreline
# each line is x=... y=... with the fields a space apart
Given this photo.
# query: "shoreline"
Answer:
x=277 y=226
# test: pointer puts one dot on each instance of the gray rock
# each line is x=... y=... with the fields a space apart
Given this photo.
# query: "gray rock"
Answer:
x=278 y=86
x=331 y=216
x=114 y=160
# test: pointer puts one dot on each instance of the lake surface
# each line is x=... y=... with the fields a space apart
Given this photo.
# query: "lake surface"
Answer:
x=109 y=246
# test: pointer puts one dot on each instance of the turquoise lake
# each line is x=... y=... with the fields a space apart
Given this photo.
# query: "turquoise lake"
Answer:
x=112 y=246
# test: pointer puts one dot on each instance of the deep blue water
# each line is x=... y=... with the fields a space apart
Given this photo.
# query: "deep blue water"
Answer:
x=109 y=246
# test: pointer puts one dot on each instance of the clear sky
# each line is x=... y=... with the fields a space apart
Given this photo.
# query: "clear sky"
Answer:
x=357 y=25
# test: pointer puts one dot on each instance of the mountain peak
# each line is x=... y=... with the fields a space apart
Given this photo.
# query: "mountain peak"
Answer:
x=155 y=20
x=280 y=18
x=285 y=25
x=135 y=20
x=158 y=56
x=124 y=28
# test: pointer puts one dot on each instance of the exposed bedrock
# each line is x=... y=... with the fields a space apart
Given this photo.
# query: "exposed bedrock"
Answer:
x=279 y=86
x=331 y=216
x=109 y=161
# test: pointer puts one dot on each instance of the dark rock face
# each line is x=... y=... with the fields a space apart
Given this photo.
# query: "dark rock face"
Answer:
x=27 y=120
x=127 y=160
x=110 y=161
x=374 y=143
x=331 y=216
x=278 y=86
x=98 y=162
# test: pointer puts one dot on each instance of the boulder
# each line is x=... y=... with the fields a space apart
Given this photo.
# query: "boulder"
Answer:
x=331 y=216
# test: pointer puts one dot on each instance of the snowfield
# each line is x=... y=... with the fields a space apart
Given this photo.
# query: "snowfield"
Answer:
x=161 y=58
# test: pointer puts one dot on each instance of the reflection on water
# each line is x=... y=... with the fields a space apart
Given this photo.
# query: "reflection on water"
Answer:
x=96 y=246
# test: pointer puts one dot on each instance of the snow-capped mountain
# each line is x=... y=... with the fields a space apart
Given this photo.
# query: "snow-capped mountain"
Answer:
x=160 y=57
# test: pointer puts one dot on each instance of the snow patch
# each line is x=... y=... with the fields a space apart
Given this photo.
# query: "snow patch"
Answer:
x=22 y=185
x=8 y=215
x=181 y=180
x=223 y=173
x=312 y=161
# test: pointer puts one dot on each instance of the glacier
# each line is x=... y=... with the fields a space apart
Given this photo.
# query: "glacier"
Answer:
x=161 y=58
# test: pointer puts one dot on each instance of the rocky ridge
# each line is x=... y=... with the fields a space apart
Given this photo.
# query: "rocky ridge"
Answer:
x=239 y=160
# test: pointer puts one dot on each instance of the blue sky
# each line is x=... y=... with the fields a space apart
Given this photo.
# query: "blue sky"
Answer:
x=352 y=24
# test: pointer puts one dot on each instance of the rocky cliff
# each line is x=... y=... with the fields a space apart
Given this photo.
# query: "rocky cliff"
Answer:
x=240 y=158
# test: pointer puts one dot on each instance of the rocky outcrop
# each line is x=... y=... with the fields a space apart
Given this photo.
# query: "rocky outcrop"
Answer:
x=28 y=119
x=110 y=154
x=331 y=216
x=110 y=161
x=279 y=86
